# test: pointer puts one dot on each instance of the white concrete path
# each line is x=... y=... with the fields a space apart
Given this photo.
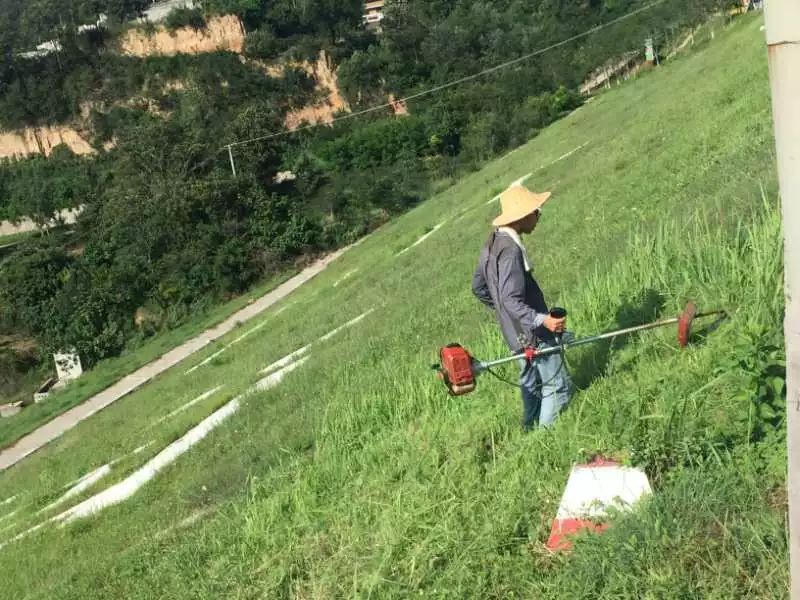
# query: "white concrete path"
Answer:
x=69 y=419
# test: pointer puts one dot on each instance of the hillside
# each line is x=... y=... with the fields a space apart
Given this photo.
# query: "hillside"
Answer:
x=145 y=112
x=357 y=476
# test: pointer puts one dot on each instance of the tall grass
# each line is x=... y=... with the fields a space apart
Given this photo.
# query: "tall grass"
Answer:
x=455 y=503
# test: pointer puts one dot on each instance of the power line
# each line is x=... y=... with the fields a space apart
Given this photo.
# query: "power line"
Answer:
x=449 y=84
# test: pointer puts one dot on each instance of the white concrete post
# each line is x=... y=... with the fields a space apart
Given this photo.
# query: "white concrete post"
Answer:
x=783 y=40
x=230 y=155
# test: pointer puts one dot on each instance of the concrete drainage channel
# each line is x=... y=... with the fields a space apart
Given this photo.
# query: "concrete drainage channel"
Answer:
x=297 y=354
x=9 y=515
x=126 y=488
x=188 y=405
x=88 y=480
x=233 y=343
x=228 y=347
x=519 y=181
x=525 y=178
x=186 y=522
x=422 y=239
x=345 y=277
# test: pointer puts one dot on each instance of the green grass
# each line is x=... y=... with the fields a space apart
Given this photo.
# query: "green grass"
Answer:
x=109 y=371
x=359 y=477
x=14 y=238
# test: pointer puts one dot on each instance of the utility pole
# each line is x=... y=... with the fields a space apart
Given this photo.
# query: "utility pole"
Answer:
x=655 y=51
x=230 y=155
x=782 y=19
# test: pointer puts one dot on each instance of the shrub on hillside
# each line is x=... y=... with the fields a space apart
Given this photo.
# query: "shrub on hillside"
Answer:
x=261 y=44
x=38 y=187
x=185 y=17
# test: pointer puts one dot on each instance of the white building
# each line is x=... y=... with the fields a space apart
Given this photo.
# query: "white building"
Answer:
x=373 y=14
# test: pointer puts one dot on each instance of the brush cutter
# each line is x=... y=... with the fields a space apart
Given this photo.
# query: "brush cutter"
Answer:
x=459 y=370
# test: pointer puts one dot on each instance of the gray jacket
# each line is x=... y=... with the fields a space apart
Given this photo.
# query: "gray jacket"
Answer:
x=502 y=283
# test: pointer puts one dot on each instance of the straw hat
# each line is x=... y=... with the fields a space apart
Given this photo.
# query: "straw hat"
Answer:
x=517 y=202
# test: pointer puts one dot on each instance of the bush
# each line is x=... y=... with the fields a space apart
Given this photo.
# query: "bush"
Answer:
x=30 y=282
x=39 y=187
x=185 y=17
x=261 y=44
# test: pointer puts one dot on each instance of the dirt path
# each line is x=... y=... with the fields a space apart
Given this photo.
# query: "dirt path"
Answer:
x=69 y=419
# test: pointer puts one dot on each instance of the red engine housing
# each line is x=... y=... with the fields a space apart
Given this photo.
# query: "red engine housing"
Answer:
x=456 y=369
x=685 y=324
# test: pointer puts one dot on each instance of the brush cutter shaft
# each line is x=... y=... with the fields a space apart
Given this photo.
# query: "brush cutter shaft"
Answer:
x=480 y=367
x=627 y=331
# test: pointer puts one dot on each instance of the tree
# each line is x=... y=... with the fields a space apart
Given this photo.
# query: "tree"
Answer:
x=30 y=283
x=122 y=10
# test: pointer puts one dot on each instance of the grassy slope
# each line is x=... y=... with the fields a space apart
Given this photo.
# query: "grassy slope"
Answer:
x=357 y=476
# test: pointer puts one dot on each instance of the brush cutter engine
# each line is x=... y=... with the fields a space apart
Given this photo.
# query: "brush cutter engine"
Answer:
x=459 y=370
x=456 y=369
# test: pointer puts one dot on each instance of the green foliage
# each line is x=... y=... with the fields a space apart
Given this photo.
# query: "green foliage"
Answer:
x=382 y=142
x=539 y=111
x=30 y=283
x=28 y=24
x=324 y=18
x=39 y=187
x=185 y=17
x=57 y=89
x=261 y=44
x=760 y=367
x=160 y=226
x=363 y=73
x=121 y=10
x=249 y=10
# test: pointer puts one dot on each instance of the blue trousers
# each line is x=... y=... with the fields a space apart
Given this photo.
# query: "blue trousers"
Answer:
x=546 y=389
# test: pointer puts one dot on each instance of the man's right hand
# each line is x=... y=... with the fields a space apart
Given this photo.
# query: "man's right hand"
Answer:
x=555 y=325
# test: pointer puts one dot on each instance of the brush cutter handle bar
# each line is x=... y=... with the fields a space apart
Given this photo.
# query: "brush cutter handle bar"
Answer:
x=526 y=354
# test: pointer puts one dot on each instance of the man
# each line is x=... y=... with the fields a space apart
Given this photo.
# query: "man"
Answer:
x=503 y=282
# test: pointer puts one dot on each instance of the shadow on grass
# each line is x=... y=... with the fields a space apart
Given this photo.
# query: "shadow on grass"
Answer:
x=592 y=363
